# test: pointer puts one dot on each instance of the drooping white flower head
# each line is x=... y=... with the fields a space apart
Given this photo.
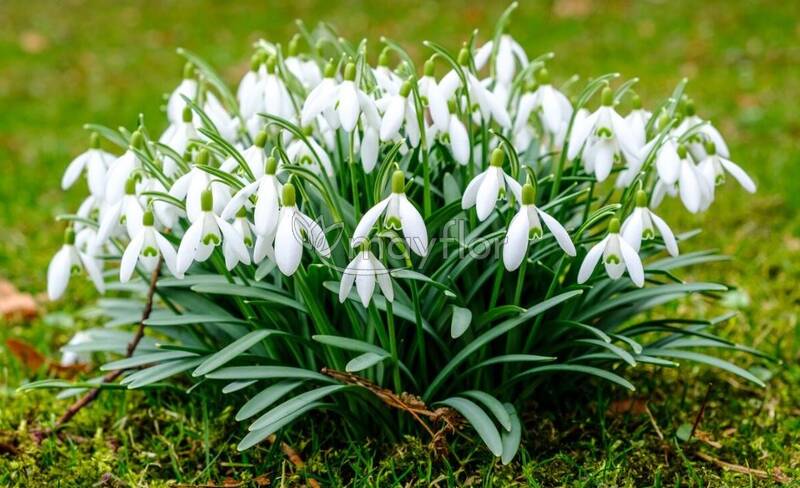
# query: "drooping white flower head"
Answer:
x=305 y=70
x=187 y=88
x=603 y=138
x=703 y=131
x=714 y=168
x=637 y=120
x=401 y=111
x=526 y=227
x=254 y=156
x=642 y=224
x=294 y=228
x=489 y=105
x=387 y=80
x=96 y=162
x=510 y=56
x=267 y=190
x=318 y=101
x=146 y=248
x=122 y=168
x=207 y=232
x=552 y=106
x=250 y=93
x=190 y=187
x=400 y=215
x=177 y=137
x=364 y=271
x=345 y=98
x=486 y=188
x=433 y=98
x=310 y=154
x=694 y=189
x=125 y=213
x=618 y=256
x=68 y=261
x=277 y=100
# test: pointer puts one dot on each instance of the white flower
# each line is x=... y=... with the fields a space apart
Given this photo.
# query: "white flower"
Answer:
x=301 y=153
x=305 y=70
x=388 y=81
x=267 y=190
x=637 y=120
x=489 y=105
x=226 y=124
x=250 y=93
x=70 y=358
x=705 y=131
x=526 y=227
x=177 y=137
x=127 y=211
x=277 y=100
x=67 y=261
x=431 y=93
x=121 y=169
x=146 y=247
x=400 y=215
x=509 y=56
x=604 y=137
x=187 y=88
x=617 y=256
x=695 y=191
x=319 y=99
x=364 y=271
x=206 y=233
x=370 y=148
x=400 y=111
x=95 y=161
x=346 y=98
x=254 y=156
x=485 y=189
x=191 y=186
x=639 y=225
x=293 y=228
x=714 y=167
x=552 y=106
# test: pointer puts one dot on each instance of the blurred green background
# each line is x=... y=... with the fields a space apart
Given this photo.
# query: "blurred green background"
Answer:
x=66 y=63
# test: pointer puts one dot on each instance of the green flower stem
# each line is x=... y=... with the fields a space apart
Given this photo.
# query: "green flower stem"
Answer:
x=420 y=332
x=353 y=178
x=398 y=386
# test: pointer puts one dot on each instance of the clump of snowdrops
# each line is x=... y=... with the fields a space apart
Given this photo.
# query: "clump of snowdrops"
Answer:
x=337 y=235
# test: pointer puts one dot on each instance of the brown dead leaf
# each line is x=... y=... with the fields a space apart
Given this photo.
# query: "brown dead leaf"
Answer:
x=632 y=406
x=261 y=481
x=32 y=42
x=15 y=305
x=26 y=354
x=706 y=438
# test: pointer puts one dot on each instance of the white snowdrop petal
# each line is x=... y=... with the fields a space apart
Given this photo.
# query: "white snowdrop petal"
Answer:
x=559 y=232
x=58 y=273
x=168 y=253
x=632 y=262
x=413 y=227
x=689 y=187
x=288 y=242
x=370 y=147
x=93 y=269
x=383 y=277
x=591 y=260
x=739 y=174
x=516 y=242
x=129 y=258
x=188 y=246
x=666 y=233
x=265 y=215
x=393 y=118
x=74 y=170
x=348 y=278
x=368 y=221
x=315 y=235
x=487 y=194
x=471 y=192
x=365 y=280
x=459 y=140
x=238 y=200
x=348 y=106
x=631 y=229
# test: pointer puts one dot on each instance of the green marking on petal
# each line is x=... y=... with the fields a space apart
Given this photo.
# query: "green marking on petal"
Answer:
x=149 y=251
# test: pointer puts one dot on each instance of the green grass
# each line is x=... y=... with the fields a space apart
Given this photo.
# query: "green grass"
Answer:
x=62 y=65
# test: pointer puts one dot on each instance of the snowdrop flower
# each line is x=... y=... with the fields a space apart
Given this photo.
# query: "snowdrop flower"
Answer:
x=617 y=256
x=432 y=96
x=206 y=233
x=146 y=247
x=71 y=358
x=305 y=70
x=457 y=137
x=370 y=147
x=526 y=227
x=319 y=99
x=190 y=187
x=254 y=156
x=95 y=161
x=187 y=88
x=244 y=227
x=267 y=190
x=639 y=225
x=554 y=106
x=177 y=137
x=127 y=211
x=122 y=168
x=388 y=81
x=695 y=191
x=226 y=124
x=400 y=111
x=277 y=100
x=346 y=98
x=509 y=55
x=637 y=120
x=485 y=189
x=705 y=132
x=399 y=215
x=364 y=271
x=67 y=261
x=604 y=137
x=714 y=167
x=293 y=228
x=302 y=153
x=488 y=104
x=250 y=93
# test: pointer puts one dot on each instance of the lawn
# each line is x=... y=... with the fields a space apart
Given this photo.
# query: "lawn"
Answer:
x=63 y=64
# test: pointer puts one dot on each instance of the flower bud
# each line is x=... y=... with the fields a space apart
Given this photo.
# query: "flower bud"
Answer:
x=398 y=182
x=271 y=166
x=688 y=107
x=130 y=186
x=203 y=156
x=542 y=76
x=682 y=151
x=641 y=198
x=147 y=218
x=261 y=139
x=189 y=71
x=463 y=56
x=242 y=212
x=294 y=45
x=330 y=69
x=271 y=63
x=710 y=147
x=383 y=59
x=350 y=72
x=430 y=67
x=288 y=197
x=137 y=140
x=613 y=226
x=497 y=158
x=206 y=201
x=405 y=89
x=187 y=114
x=528 y=194
x=636 y=101
x=255 y=62
x=607 y=97
x=94 y=140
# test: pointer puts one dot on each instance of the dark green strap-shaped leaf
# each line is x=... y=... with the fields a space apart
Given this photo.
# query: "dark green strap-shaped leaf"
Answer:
x=265 y=398
x=187 y=319
x=577 y=368
x=706 y=359
x=647 y=293
x=252 y=292
x=616 y=350
x=256 y=436
x=235 y=386
x=409 y=274
x=479 y=420
x=492 y=334
x=492 y=404
x=240 y=373
x=349 y=344
x=459 y=324
x=159 y=372
x=231 y=351
x=143 y=359
x=289 y=406
x=512 y=438
x=513 y=358
x=364 y=361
